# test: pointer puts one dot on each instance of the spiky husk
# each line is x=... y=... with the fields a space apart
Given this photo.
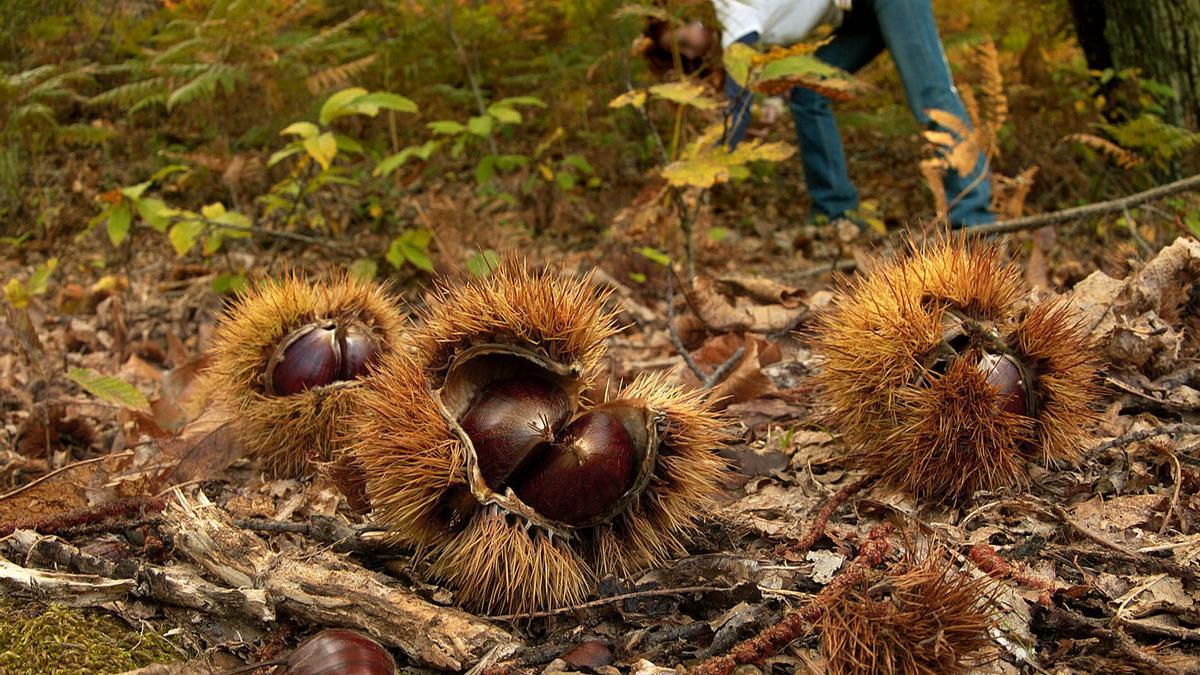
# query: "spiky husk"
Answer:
x=686 y=481
x=919 y=618
x=941 y=432
x=559 y=316
x=287 y=434
x=497 y=561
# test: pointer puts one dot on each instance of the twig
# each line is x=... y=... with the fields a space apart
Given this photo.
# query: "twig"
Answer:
x=1061 y=619
x=281 y=234
x=833 y=503
x=61 y=469
x=706 y=381
x=1051 y=218
x=675 y=340
x=1143 y=434
x=722 y=370
x=651 y=593
x=90 y=514
x=466 y=64
x=1078 y=212
x=1140 y=560
x=795 y=622
x=325 y=530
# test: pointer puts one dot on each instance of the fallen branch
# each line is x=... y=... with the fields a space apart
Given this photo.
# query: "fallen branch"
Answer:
x=797 y=621
x=76 y=590
x=323 y=588
x=340 y=536
x=175 y=585
x=711 y=379
x=1043 y=219
x=1087 y=210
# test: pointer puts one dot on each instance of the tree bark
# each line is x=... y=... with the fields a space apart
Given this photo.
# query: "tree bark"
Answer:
x=1162 y=39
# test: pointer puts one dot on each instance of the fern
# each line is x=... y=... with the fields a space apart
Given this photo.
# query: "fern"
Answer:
x=338 y=77
x=1118 y=155
x=130 y=94
x=323 y=38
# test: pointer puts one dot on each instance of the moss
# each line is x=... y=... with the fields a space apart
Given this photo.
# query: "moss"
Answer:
x=36 y=638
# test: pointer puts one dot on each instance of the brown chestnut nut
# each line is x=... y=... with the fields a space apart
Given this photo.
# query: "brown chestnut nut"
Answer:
x=340 y=652
x=1005 y=375
x=509 y=420
x=357 y=352
x=311 y=359
x=318 y=356
x=584 y=475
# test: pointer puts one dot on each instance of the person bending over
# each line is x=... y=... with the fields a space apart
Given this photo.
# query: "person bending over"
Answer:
x=865 y=28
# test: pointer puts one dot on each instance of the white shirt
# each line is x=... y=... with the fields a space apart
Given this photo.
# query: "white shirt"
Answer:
x=778 y=22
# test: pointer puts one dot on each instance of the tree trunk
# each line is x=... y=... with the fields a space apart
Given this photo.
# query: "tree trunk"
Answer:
x=1089 y=30
x=1162 y=39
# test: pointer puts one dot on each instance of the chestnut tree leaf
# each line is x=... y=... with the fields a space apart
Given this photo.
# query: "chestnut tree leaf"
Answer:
x=109 y=389
x=686 y=93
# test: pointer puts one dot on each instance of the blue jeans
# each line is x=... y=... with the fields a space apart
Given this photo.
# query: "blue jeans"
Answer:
x=907 y=30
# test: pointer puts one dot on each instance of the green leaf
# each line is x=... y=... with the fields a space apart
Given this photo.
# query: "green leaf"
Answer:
x=134 y=192
x=485 y=170
x=39 y=280
x=229 y=282
x=118 y=223
x=417 y=257
x=521 y=100
x=304 y=130
x=483 y=263
x=323 y=149
x=363 y=269
x=504 y=115
x=421 y=152
x=280 y=155
x=386 y=101
x=109 y=389
x=183 y=236
x=335 y=104
x=155 y=213
x=656 y=256
x=167 y=171
x=638 y=277
x=480 y=125
x=446 y=127
x=579 y=162
x=717 y=234
x=347 y=144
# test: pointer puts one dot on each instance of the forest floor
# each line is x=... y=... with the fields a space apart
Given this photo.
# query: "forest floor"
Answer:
x=138 y=536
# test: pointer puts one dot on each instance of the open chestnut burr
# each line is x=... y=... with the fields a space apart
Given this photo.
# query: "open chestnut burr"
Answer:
x=483 y=450
x=288 y=356
x=943 y=380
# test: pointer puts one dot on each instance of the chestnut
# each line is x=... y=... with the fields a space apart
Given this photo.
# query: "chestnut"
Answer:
x=510 y=420
x=335 y=651
x=1005 y=375
x=319 y=355
x=584 y=474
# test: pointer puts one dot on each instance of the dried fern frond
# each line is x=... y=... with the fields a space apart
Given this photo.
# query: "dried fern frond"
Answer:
x=339 y=76
x=1123 y=158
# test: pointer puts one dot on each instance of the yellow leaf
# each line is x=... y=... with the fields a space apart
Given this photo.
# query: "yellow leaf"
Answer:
x=14 y=292
x=685 y=93
x=635 y=97
x=323 y=148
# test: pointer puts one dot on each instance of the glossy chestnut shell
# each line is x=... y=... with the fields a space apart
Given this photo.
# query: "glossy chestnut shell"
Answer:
x=319 y=355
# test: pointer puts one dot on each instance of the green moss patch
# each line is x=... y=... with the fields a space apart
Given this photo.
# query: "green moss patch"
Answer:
x=37 y=638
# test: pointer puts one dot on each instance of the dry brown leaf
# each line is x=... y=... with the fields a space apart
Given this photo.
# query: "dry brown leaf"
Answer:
x=722 y=315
